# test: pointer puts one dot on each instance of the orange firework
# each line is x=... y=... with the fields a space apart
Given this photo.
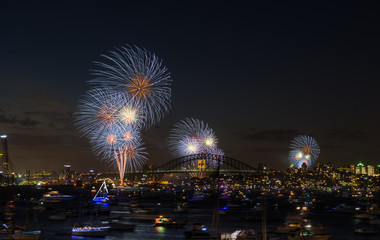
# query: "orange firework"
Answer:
x=139 y=86
x=306 y=149
x=111 y=139
x=142 y=76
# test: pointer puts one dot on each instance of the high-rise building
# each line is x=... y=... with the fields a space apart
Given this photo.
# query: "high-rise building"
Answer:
x=371 y=170
x=352 y=168
x=377 y=169
x=262 y=168
x=360 y=169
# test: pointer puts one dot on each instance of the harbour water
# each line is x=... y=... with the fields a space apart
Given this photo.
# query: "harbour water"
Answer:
x=340 y=225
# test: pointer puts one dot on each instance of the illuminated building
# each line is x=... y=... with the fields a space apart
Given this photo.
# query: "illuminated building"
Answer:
x=377 y=169
x=360 y=169
x=370 y=170
x=352 y=168
x=262 y=168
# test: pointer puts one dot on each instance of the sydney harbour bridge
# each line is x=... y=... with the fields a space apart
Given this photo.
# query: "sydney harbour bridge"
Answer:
x=205 y=162
x=193 y=165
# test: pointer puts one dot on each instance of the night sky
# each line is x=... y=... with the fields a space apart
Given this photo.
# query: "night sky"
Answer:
x=258 y=74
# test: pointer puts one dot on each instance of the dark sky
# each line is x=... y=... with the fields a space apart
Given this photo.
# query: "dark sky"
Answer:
x=258 y=74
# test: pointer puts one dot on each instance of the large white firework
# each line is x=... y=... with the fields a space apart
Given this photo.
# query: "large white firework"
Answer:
x=217 y=153
x=112 y=120
x=105 y=143
x=303 y=149
x=140 y=74
x=102 y=109
x=191 y=136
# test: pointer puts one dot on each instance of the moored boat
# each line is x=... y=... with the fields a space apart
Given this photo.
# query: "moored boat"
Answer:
x=116 y=224
x=143 y=214
x=307 y=235
x=90 y=231
x=25 y=235
x=198 y=231
x=167 y=222
x=249 y=234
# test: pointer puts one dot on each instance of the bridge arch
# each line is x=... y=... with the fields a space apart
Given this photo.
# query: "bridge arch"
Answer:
x=227 y=164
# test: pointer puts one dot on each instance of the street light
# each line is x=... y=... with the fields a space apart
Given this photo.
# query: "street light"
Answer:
x=3 y=136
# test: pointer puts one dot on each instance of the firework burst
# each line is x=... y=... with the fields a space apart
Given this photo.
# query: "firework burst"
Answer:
x=140 y=74
x=112 y=121
x=103 y=109
x=217 y=153
x=191 y=136
x=303 y=149
x=106 y=142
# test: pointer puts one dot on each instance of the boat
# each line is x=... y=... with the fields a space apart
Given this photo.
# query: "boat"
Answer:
x=143 y=214
x=167 y=222
x=307 y=235
x=366 y=230
x=101 y=195
x=198 y=231
x=18 y=232
x=57 y=217
x=365 y=216
x=249 y=234
x=181 y=208
x=116 y=224
x=288 y=228
x=90 y=231
x=198 y=196
x=317 y=229
x=55 y=196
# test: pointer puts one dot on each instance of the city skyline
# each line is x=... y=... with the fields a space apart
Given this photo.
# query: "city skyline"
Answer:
x=259 y=75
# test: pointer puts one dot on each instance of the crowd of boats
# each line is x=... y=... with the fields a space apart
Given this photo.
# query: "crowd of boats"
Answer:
x=119 y=211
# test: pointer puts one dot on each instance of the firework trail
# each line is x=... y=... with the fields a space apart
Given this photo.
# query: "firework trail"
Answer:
x=112 y=121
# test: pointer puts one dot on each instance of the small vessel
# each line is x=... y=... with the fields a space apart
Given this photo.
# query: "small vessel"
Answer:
x=317 y=229
x=249 y=234
x=180 y=208
x=25 y=235
x=199 y=196
x=19 y=233
x=288 y=228
x=198 y=231
x=366 y=230
x=90 y=231
x=55 y=196
x=58 y=217
x=365 y=216
x=306 y=235
x=120 y=225
x=143 y=214
x=101 y=195
x=167 y=222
